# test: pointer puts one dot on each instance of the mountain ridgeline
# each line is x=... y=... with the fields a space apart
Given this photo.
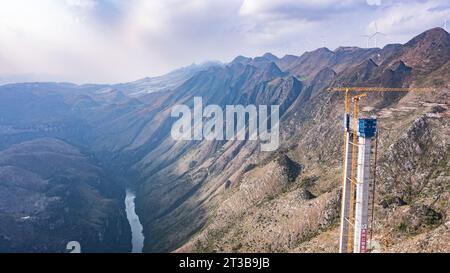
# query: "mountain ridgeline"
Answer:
x=67 y=153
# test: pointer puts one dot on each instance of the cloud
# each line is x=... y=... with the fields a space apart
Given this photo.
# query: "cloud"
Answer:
x=47 y=37
x=373 y=2
x=115 y=40
x=301 y=9
x=84 y=4
x=406 y=18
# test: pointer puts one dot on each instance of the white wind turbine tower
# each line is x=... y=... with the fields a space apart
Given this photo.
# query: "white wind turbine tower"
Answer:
x=311 y=44
x=368 y=39
x=376 y=34
x=445 y=24
x=317 y=44
x=324 y=37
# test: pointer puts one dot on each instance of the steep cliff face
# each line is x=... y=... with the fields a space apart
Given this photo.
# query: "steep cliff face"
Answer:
x=229 y=195
x=413 y=201
x=411 y=204
x=52 y=194
x=191 y=174
x=276 y=212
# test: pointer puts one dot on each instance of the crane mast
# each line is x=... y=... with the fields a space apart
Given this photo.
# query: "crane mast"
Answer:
x=356 y=167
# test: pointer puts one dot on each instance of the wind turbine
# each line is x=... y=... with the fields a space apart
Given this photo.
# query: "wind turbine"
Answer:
x=445 y=24
x=310 y=44
x=319 y=41
x=368 y=39
x=375 y=35
x=323 y=37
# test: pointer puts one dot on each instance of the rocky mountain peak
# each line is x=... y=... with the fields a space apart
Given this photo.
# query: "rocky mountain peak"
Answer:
x=241 y=59
x=269 y=56
x=318 y=53
x=434 y=36
x=428 y=51
x=346 y=48
x=228 y=195
x=271 y=70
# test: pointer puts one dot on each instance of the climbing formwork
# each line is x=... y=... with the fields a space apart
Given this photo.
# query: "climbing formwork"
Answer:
x=366 y=132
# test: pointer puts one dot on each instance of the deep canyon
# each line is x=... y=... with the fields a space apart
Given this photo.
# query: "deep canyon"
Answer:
x=96 y=164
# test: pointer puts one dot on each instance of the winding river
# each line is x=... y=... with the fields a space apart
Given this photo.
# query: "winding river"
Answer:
x=137 y=236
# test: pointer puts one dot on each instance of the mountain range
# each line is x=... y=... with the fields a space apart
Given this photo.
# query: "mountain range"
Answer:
x=67 y=153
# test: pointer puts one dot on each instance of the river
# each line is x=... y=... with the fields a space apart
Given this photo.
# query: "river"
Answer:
x=137 y=236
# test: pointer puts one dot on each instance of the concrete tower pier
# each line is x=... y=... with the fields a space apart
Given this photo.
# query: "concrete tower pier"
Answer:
x=366 y=132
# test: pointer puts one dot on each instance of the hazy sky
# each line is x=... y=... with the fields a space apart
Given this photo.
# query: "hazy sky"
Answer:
x=115 y=41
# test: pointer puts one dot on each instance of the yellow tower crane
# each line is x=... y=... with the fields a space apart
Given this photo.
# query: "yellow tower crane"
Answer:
x=349 y=173
x=354 y=146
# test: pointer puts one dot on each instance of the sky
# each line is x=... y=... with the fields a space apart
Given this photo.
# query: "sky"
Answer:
x=111 y=41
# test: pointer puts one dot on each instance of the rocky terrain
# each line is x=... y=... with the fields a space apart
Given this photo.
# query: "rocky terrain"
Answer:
x=228 y=196
x=247 y=202
x=52 y=194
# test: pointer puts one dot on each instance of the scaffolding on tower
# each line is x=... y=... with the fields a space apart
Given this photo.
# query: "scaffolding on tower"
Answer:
x=358 y=136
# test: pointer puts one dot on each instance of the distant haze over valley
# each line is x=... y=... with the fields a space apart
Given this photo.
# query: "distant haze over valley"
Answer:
x=108 y=42
x=69 y=154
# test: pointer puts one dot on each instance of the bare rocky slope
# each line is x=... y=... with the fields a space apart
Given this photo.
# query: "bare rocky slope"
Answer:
x=51 y=194
x=228 y=195
x=246 y=200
